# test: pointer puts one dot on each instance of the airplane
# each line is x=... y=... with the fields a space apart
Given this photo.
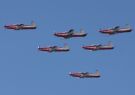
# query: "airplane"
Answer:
x=115 y=30
x=54 y=49
x=20 y=26
x=85 y=74
x=99 y=47
x=71 y=33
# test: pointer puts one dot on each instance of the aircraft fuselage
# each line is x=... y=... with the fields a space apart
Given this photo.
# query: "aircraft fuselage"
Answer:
x=66 y=35
x=20 y=26
x=112 y=31
x=83 y=75
x=58 y=49
x=93 y=48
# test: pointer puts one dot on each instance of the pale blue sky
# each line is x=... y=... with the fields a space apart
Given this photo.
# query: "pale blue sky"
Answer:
x=26 y=71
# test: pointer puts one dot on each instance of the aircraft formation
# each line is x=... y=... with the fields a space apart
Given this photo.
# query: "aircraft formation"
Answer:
x=72 y=34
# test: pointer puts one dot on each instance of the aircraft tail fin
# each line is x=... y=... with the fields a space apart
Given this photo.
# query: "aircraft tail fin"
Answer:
x=110 y=43
x=128 y=26
x=82 y=30
x=33 y=23
x=97 y=72
x=66 y=46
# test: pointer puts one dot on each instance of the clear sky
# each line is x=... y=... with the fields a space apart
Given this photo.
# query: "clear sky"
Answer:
x=26 y=71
